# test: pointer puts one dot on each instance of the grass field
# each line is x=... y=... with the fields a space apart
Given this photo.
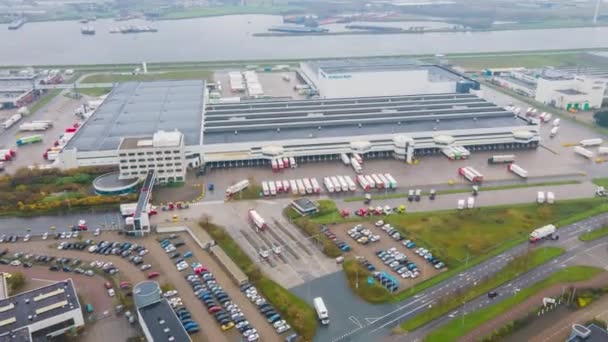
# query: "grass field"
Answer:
x=460 y=190
x=512 y=270
x=456 y=328
x=524 y=60
x=169 y=75
x=594 y=235
x=94 y=91
x=601 y=182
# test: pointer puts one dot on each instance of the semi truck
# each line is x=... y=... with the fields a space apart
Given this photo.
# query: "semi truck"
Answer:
x=315 y=186
x=274 y=165
x=11 y=121
x=546 y=232
x=236 y=188
x=383 y=179
x=343 y=184
x=321 y=310
x=370 y=181
x=32 y=139
x=471 y=202
x=351 y=185
x=7 y=154
x=470 y=174
x=363 y=182
x=591 y=142
x=377 y=181
x=504 y=159
x=265 y=189
x=301 y=188
x=329 y=185
x=286 y=162
x=292 y=162
x=272 y=188
x=337 y=185
x=456 y=152
x=307 y=185
x=602 y=150
x=356 y=166
x=391 y=181
x=33 y=126
x=583 y=152
x=518 y=170
x=294 y=186
x=257 y=220
x=128 y=209
x=358 y=158
x=286 y=186
x=345 y=159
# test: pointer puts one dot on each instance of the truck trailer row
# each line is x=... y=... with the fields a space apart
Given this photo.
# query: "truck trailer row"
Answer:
x=281 y=163
x=294 y=186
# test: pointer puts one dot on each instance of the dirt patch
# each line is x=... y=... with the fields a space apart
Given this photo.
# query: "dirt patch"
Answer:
x=531 y=303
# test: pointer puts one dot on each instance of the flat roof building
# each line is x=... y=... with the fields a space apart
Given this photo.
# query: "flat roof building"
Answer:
x=378 y=77
x=41 y=313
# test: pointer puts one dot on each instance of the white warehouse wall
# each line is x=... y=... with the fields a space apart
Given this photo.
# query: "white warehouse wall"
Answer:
x=381 y=83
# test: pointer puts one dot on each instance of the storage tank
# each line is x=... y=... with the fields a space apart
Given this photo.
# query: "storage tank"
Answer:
x=146 y=293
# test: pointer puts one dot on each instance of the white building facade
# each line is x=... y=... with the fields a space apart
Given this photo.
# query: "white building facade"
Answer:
x=571 y=93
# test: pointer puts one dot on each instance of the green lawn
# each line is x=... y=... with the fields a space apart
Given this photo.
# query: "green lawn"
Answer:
x=460 y=190
x=523 y=60
x=456 y=329
x=169 y=75
x=601 y=182
x=226 y=10
x=357 y=274
x=594 y=235
x=512 y=270
x=94 y=91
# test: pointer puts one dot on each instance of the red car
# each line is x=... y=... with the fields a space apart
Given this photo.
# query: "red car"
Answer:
x=107 y=285
x=153 y=275
x=125 y=285
x=214 y=309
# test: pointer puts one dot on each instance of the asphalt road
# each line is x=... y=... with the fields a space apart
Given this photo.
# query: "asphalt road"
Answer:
x=376 y=328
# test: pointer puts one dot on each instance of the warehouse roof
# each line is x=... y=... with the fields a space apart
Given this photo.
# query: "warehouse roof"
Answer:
x=310 y=119
x=37 y=305
x=135 y=109
x=162 y=322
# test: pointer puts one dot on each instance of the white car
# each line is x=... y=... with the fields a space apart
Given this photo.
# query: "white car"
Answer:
x=279 y=323
x=283 y=328
x=111 y=292
x=250 y=332
x=405 y=275
x=170 y=249
x=182 y=266
x=15 y=263
x=89 y=273
x=75 y=235
x=68 y=235
x=97 y=232
x=143 y=252
x=170 y=293
x=252 y=338
x=45 y=236
x=379 y=223
x=62 y=236
x=92 y=248
x=145 y=267
x=386 y=227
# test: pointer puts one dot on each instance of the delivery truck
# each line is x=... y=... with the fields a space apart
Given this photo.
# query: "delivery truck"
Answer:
x=583 y=152
x=315 y=186
x=321 y=310
x=502 y=159
x=32 y=139
x=329 y=185
x=591 y=142
x=256 y=219
x=345 y=159
x=518 y=170
x=546 y=232
x=470 y=174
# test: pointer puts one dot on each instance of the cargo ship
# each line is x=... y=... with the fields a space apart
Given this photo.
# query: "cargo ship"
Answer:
x=16 y=24
x=298 y=29
x=375 y=28
x=133 y=29
x=87 y=30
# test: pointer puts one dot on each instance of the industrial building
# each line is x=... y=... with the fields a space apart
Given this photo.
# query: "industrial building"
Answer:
x=39 y=314
x=381 y=77
x=157 y=319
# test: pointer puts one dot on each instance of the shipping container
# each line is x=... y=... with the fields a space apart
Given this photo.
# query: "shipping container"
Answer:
x=307 y=185
x=345 y=159
x=392 y=182
x=583 y=152
x=301 y=188
x=329 y=185
x=315 y=186
x=591 y=142
x=504 y=159
x=292 y=162
x=351 y=185
x=294 y=186
x=265 y=189
x=518 y=170
x=337 y=185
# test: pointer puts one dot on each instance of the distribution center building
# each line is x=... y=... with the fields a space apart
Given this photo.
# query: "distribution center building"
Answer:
x=380 y=77
x=169 y=126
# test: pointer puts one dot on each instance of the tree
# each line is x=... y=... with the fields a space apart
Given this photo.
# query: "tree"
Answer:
x=601 y=118
x=16 y=282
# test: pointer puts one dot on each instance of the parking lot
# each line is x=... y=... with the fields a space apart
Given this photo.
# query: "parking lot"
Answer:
x=385 y=242
x=60 y=110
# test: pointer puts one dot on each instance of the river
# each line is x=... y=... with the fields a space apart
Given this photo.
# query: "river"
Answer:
x=230 y=38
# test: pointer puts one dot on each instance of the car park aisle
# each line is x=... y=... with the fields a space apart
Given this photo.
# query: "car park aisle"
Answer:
x=210 y=330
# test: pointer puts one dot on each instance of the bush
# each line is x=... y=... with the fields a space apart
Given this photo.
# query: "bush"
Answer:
x=601 y=118
x=374 y=293
x=16 y=282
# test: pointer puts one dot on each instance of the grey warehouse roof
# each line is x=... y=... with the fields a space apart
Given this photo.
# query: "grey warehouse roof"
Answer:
x=158 y=317
x=335 y=66
x=309 y=119
x=39 y=305
x=141 y=108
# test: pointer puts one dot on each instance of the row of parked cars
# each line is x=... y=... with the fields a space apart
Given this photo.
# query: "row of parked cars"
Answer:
x=428 y=256
x=171 y=249
x=390 y=230
x=339 y=243
x=387 y=280
x=363 y=235
x=365 y=263
x=266 y=309
x=398 y=262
